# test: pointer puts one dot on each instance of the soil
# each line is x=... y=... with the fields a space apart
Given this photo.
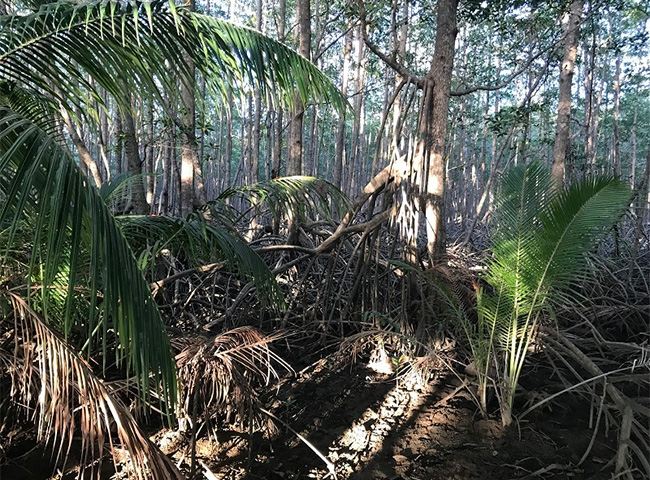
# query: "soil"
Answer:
x=371 y=426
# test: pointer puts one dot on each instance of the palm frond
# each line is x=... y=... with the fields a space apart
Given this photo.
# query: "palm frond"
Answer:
x=198 y=241
x=40 y=109
x=116 y=190
x=301 y=195
x=574 y=222
x=142 y=46
x=223 y=370
x=41 y=184
x=542 y=238
x=65 y=399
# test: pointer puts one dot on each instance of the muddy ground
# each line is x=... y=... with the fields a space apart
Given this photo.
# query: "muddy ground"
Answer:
x=369 y=425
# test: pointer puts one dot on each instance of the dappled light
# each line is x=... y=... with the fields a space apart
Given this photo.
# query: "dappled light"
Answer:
x=344 y=240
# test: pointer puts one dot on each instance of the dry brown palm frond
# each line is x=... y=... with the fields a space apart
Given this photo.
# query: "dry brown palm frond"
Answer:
x=65 y=398
x=221 y=372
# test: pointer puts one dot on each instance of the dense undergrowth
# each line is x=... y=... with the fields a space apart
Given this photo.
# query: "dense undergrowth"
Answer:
x=235 y=311
x=134 y=337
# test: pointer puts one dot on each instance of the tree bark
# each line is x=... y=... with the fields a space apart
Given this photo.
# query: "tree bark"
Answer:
x=294 y=162
x=138 y=202
x=84 y=154
x=590 y=66
x=276 y=153
x=256 y=134
x=150 y=167
x=339 y=155
x=356 y=150
x=616 y=138
x=571 y=27
x=432 y=127
x=633 y=152
x=190 y=196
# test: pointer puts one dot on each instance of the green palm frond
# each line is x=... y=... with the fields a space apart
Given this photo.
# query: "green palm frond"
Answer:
x=40 y=184
x=197 y=241
x=541 y=241
x=574 y=222
x=117 y=188
x=301 y=195
x=40 y=109
x=142 y=46
x=60 y=393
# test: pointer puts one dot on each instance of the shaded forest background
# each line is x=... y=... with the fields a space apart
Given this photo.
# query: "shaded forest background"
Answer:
x=503 y=106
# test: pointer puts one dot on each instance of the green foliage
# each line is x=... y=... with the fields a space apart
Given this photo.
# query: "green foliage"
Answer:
x=146 y=46
x=75 y=241
x=513 y=116
x=302 y=196
x=56 y=230
x=542 y=236
x=198 y=241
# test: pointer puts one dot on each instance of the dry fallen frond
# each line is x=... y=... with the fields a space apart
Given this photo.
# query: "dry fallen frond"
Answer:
x=67 y=399
x=222 y=371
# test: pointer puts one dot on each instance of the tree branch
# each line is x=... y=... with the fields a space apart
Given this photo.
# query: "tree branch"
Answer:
x=391 y=62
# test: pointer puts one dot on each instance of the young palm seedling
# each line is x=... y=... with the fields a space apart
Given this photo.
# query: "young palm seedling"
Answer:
x=542 y=235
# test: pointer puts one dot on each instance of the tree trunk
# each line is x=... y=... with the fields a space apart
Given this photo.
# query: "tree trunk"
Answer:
x=356 y=150
x=571 y=27
x=432 y=127
x=616 y=140
x=189 y=196
x=138 y=202
x=119 y=143
x=164 y=203
x=400 y=54
x=633 y=147
x=276 y=153
x=294 y=163
x=255 y=145
x=84 y=154
x=149 y=163
x=590 y=66
x=339 y=155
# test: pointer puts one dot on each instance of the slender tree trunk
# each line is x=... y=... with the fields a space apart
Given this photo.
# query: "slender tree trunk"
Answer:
x=590 y=65
x=84 y=154
x=432 y=127
x=571 y=27
x=103 y=140
x=149 y=157
x=190 y=164
x=313 y=144
x=119 y=143
x=255 y=146
x=339 y=155
x=294 y=163
x=228 y=147
x=276 y=154
x=616 y=140
x=163 y=205
x=633 y=147
x=400 y=54
x=356 y=151
x=138 y=202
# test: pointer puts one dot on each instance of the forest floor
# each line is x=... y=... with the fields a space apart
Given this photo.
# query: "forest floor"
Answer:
x=370 y=426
